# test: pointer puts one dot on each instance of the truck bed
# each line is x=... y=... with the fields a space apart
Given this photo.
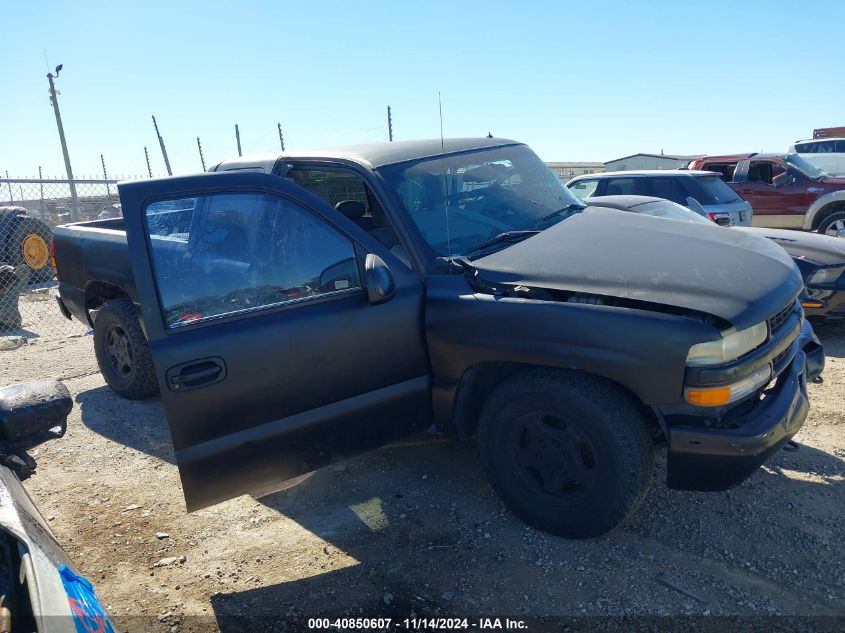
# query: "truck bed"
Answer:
x=92 y=257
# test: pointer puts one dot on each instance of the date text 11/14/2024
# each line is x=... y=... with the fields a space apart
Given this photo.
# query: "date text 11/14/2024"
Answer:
x=417 y=624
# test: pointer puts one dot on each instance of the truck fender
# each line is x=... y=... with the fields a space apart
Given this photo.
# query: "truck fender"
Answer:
x=820 y=203
x=98 y=292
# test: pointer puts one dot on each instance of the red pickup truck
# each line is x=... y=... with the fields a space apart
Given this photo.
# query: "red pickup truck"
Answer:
x=784 y=190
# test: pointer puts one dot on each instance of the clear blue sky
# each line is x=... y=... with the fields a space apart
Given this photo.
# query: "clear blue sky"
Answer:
x=575 y=80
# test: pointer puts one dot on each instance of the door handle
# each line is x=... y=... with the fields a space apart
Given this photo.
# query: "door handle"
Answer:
x=194 y=374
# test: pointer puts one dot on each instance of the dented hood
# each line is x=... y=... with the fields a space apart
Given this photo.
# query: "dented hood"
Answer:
x=737 y=276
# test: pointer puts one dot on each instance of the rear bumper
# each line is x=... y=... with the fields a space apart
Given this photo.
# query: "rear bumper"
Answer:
x=62 y=308
x=71 y=302
x=708 y=458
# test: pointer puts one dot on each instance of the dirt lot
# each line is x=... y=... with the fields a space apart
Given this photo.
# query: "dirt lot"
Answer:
x=414 y=529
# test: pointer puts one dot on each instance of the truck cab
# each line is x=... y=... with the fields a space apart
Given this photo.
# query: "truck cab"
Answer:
x=313 y=306
x=784 y=190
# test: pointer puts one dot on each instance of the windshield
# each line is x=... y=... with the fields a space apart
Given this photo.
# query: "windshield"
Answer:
x=669 y=210
x=810 y=171
x=488 y=192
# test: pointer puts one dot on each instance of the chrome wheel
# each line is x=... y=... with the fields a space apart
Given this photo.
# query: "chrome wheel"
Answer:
x=119 y=351
x=836 y=228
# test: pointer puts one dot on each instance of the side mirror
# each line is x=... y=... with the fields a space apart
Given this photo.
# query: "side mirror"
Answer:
x=380 y=284
x=780 y=180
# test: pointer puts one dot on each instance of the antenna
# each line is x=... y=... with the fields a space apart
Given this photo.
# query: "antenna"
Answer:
x=445 y=182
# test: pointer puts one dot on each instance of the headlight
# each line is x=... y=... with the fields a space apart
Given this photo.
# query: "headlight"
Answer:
x=731 y=346
x=826 y=275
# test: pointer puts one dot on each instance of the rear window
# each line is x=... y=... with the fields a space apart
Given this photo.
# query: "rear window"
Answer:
x=714 y=191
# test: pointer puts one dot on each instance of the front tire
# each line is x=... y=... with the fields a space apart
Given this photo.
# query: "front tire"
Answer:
x=568 y=453
x=832 y=224
x=122 y=350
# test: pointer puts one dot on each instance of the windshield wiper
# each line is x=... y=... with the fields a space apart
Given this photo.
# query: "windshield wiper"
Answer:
x=569 y=207
x=507 y=236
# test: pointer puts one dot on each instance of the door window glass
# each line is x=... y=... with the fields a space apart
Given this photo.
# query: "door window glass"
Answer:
x=668 y=188
x=171 y=219
x=584 y=188
x=626 y=187
x=760 y=171
x=349 y=194
x=725 y=169
x=332 y=186
x=244 y=251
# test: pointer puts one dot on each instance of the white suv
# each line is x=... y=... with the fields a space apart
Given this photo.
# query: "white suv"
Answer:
x=828 y=154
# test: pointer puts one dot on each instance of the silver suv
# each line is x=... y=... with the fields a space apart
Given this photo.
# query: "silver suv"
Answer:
x=721 y=203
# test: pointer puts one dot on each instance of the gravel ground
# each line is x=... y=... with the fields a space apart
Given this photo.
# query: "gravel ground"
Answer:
x=414 y=529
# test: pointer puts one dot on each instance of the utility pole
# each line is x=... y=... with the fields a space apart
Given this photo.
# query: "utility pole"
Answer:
x=163 y=150
x=238 y=139
x=105 y=176
x=55 y=101
x=202 y=159
x=147 y=156
x=389 y=125
x=281 y=138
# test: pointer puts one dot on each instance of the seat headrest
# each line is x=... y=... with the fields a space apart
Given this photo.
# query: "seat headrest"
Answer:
x=352 y=209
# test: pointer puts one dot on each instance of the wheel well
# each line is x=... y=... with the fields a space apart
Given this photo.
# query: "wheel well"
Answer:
x=825 y=212
x=479 y=381
x=98 y=292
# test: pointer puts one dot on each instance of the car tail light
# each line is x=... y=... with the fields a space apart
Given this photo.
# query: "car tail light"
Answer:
x=722 y=219
x=53 y=255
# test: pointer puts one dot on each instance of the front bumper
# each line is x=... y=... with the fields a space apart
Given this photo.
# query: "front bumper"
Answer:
x=709 y=458
x=712 y=457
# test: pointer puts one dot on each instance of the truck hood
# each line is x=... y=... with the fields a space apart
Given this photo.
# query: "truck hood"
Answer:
x=734 y=275
x=821 y=250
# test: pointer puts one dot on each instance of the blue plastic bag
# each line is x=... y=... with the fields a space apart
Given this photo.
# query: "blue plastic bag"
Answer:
x=88 y=614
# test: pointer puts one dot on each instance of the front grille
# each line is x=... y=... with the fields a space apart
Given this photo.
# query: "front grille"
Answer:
x=780 y=357
x=780 y=318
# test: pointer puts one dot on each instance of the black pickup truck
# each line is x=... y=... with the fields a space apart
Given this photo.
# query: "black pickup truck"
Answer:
x=303 y=308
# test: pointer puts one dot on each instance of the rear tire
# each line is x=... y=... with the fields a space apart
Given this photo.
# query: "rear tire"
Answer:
x=568 y=453
x=832 y=224
x=122 y=351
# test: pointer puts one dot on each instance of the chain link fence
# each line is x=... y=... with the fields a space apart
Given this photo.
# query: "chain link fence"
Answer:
x=29 y=211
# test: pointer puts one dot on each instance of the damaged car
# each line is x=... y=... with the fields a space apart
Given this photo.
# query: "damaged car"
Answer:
x=315 y=305
x=820 y=258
